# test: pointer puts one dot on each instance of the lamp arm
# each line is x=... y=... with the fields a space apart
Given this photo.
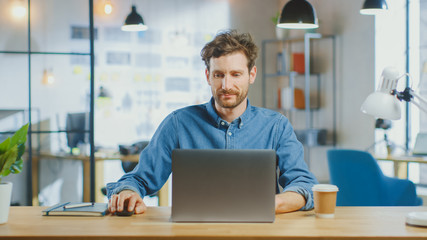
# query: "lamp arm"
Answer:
x=421 y=99
x=423 y=102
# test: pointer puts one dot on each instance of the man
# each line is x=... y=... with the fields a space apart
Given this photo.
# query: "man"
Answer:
x=228 y=121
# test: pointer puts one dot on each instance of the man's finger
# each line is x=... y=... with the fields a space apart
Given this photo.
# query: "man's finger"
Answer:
x=113 y=203
x=132 y=201
x=121 y=201
x=140 y=207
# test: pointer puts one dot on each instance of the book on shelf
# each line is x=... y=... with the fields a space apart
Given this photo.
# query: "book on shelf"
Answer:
x=77 y=209
x=285 y=100
x=298 y=63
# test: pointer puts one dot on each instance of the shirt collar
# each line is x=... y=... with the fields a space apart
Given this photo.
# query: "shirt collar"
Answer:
x=243 y=119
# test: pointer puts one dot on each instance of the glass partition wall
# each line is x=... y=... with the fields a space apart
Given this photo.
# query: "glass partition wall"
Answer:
x=57 y=77
x=43 y=85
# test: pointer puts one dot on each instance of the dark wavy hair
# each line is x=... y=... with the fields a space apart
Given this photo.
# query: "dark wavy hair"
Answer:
x=228 y=42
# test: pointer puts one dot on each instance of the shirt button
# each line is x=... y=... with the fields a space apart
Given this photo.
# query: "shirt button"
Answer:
x=229 y=134
x=222 y=123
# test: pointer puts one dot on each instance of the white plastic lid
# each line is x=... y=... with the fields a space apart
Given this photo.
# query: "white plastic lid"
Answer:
x=417 y=218
x=325 y=188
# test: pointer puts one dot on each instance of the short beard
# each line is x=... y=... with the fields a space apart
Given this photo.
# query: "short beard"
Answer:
x=240 y=97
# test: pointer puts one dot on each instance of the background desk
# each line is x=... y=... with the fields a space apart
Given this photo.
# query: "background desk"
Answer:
x=349 y=223
x=400 y=163
x=99 y=181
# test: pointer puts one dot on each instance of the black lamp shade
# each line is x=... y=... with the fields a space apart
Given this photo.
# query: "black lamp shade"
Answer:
x=298 y=14
x=372 y=7
x=375 y=4
x=134 y=22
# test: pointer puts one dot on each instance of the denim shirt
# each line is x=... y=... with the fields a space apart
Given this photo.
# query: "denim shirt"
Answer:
x=200 y=127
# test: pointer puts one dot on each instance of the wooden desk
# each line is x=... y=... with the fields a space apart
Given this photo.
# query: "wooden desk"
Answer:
x=349 y=223
x=400 y=163
x=99 y=158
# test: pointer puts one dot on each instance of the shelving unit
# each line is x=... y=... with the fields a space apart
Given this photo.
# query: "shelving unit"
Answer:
x=31 y=188
x=282 y=49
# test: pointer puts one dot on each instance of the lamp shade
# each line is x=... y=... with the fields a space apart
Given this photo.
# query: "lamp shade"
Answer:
x=298 y=14
x=382 y=105
x=373 y=7
x=134 y=22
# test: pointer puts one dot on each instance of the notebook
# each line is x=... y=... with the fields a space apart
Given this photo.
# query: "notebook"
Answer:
x=77 y=209
x=420 y=147
x=217 y=185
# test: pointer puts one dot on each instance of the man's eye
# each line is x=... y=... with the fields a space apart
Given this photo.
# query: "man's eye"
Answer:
x=237 y=74
x=218 y=75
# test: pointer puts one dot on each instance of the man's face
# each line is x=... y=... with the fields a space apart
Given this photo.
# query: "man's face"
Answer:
x=229 y=79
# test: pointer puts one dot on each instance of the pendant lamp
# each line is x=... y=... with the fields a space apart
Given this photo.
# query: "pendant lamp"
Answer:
x=134 y=22
x=108 y=8
x=298 y=14
x=18 y=9
x=373 y=7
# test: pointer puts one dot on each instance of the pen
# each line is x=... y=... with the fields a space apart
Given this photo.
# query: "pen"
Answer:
x=78 y=205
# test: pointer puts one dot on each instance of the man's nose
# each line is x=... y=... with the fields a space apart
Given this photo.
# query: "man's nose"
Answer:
x=226 y=83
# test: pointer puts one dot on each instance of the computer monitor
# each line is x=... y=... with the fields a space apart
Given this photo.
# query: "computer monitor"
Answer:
x=76 y=126
x=420 y=147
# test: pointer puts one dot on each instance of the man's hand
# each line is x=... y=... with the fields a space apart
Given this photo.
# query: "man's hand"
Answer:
x=289 y=202
x=117 y=202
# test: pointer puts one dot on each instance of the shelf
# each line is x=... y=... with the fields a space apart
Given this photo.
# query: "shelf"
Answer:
x=45 y=53
x=281 y=110
x=299 y=39
x=277 y=52
x=295 y=74
x=327 y=145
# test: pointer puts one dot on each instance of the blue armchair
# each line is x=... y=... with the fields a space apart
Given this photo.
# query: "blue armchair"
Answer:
x=362 y=183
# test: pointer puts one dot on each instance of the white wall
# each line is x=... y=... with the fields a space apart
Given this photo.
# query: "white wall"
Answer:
x=355 y=74
x=356 y=68
x=254 y=17
x=355 y=36
x=390 y=42
x=423 y=60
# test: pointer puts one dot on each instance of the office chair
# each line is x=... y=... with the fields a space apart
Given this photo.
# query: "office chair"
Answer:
x=362 y=183
x=135 y=148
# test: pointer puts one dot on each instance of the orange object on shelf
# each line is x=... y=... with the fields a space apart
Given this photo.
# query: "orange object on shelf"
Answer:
x=285 y=99
x=298 y=62
x=299 y=100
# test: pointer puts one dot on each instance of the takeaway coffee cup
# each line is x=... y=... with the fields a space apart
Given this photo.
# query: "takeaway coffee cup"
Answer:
x=325 y=198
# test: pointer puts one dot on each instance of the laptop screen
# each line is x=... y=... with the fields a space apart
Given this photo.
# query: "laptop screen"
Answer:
x=420 y=147
x=217 y=185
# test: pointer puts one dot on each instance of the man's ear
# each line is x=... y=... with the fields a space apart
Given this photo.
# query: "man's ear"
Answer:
x=252 y=75
x=207 y=76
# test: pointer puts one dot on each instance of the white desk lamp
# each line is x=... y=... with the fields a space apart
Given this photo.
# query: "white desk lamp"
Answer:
x=384 y=103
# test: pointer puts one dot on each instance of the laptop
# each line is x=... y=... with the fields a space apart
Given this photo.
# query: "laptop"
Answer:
x=218 y=185
x=420 y=147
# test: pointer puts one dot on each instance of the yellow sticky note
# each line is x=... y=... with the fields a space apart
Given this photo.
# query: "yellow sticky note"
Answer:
x=137 y=77
x=103 y=77
x=77 y=70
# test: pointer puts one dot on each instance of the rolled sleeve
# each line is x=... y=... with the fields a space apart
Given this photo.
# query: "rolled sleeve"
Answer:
x=308 y=195
x=154 y=165
x=294 y=173
x=117 y=187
